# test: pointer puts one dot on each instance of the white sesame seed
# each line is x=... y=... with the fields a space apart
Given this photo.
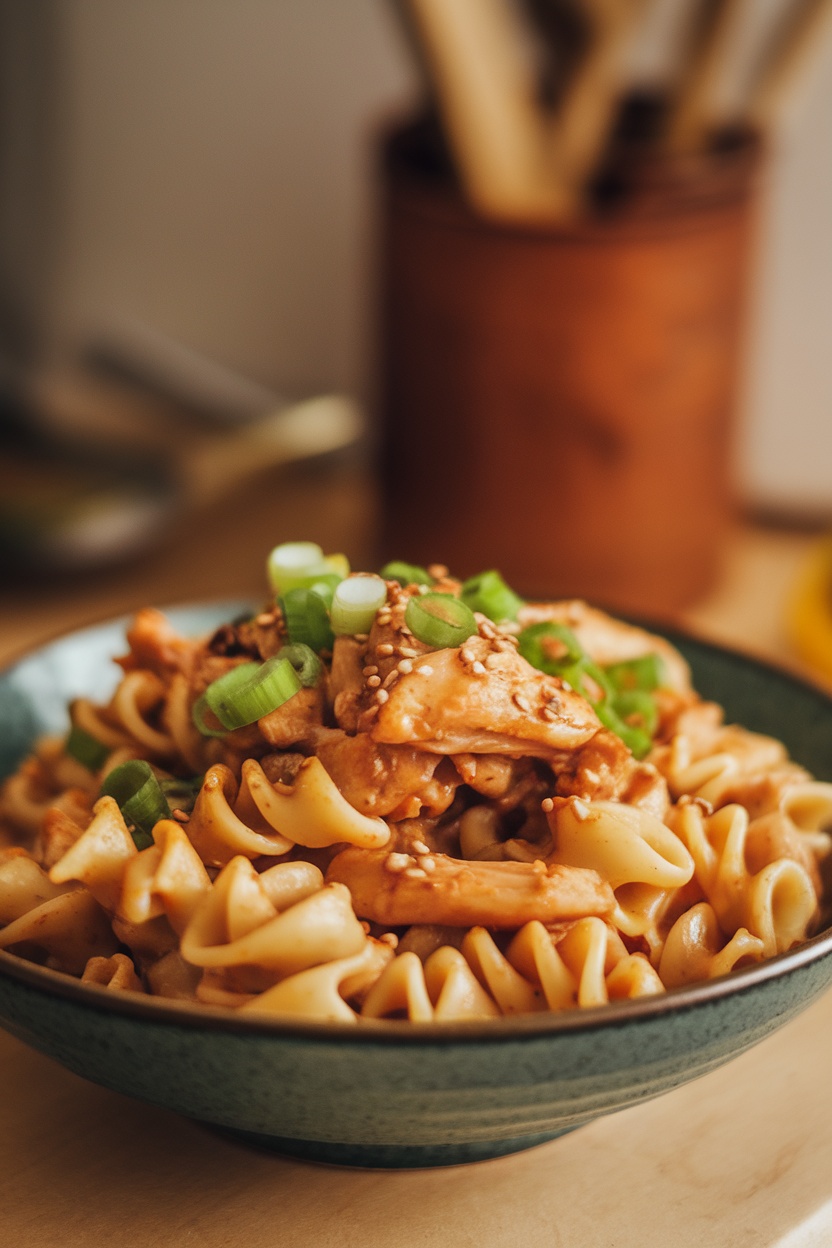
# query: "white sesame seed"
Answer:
x=425 y=670
x=580 y=809
x=416 y=873
x=381 y=696
x=397 y=862
x=391 y=678
x=522 y=703
x=385 y=648
x=419 y=847
x=405 y=667
x=265 y=619
x=429 y=864
x=408 y=652
x=389 y=938
x=478 y=668
x=547 y=805
x=372 y=670
x=374 y=682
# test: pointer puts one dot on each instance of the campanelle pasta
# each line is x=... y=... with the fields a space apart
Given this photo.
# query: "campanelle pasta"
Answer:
x=406 y=797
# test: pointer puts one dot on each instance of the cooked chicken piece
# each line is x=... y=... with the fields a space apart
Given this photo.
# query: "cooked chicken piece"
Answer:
x=346 y=682
x=494 y=776
x=399 y=889
x=155 y=645
x=295 y=719
x=602 y=769
x=480 y=698
x=395 y=782
x=608 y=640
x=257 y=638
x=390 y=640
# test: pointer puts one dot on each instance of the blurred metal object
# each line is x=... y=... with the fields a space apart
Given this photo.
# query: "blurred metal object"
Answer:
x=75 y=498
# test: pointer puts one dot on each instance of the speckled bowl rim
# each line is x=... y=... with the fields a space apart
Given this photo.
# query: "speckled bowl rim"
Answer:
x=386 y=1031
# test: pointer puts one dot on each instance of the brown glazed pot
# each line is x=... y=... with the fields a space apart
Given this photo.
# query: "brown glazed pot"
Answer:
x=559 y=402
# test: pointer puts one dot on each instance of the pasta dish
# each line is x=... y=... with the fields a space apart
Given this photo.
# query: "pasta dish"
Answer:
x=406 y=796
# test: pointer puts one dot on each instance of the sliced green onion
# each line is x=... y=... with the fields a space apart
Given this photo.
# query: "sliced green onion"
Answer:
x=181 y=792
x=305 y=662
x=488 y=593
x=199 y=713
x=355 y=603
x=324 y=586
x=302 y=565
x=140 y=798
x=576 y=674
x=645 y=673
x=248 y=692
x=637 y=740
x=307 y=618
x=439 y=620
x=86 y=749
x=406 y=573
x=637 y=708
x=549 y=646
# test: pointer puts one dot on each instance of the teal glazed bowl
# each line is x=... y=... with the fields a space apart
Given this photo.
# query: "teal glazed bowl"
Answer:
x=387 y=1094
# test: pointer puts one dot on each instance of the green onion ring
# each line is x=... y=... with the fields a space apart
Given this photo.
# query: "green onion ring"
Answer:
x=355 y=603
x=136 y=789
x=550 y=647
x=248 y=692
x=303 y=565
x=307 y=618
x=305 y=661
x=488 y=593
x=86 y=749
x=406 y=573
x=439 y=620
x=644 y=673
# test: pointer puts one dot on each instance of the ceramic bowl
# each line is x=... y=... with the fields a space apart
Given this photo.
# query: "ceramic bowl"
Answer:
x=385 y=1093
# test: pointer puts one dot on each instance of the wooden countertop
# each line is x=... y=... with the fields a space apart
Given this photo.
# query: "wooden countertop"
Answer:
x=741 y=1156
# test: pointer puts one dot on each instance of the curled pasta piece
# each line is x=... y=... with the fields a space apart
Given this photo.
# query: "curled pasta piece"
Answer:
x=454 y=989
x=100 y=856
x=166 y=878
x=397 y=890
x=236 y=924
x=137 y=702
x=777 y=904
x=624 y=844
x=218 y=832
x=534 y=954
x=66 y=930
x=723 y=764
x=25 y=798
x=696 y=948
x=24 y=885
x=312 y=811
x=513 y=993
x=319 y=991
x=584 y=952
x=97 y=721
x=116 y=972
x=633 y=976
x=443 y=989
x=190 y=745
x=169 y=975
x=799 y=828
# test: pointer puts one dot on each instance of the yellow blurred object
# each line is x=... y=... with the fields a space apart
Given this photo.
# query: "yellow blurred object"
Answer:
x=809 y=612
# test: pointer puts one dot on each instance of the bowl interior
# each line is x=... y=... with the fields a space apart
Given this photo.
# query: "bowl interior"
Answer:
x=525 y=1064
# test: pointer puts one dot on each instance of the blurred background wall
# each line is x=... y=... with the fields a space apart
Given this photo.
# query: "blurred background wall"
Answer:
x=206 y=168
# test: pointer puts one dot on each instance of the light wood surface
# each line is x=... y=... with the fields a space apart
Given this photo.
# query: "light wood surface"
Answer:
x=741 y=1156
